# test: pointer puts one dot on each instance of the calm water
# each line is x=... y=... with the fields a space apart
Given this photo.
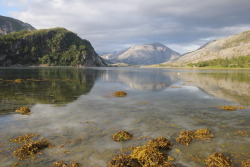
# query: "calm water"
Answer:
x=75 y=108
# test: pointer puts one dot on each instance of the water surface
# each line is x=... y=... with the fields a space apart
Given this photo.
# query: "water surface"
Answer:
x=75 y=110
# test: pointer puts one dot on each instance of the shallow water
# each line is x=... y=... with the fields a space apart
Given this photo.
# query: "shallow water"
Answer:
x=75 y=110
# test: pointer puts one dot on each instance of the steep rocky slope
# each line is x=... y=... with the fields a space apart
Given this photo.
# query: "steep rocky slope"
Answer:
x=10 y=25
x=143 y=55
x=53 y=47
x=232 y=46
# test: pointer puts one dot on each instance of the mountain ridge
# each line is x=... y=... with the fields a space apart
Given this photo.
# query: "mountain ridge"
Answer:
x=145 y=54
x=224 y=48
x=10 y=25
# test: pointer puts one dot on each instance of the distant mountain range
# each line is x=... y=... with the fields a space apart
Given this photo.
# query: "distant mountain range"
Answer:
x=146 y=54
x=230 y=47
x=10 y=25
x=21 y=44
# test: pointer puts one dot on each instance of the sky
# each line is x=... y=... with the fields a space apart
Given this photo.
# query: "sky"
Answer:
x=113 y=25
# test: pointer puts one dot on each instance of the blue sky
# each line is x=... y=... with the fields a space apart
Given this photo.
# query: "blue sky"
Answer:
x=183 y=25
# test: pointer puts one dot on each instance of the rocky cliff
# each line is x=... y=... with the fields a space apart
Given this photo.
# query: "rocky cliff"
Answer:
x=147 y=54
x=53 y=47
x=230 y=47
x=10 y=25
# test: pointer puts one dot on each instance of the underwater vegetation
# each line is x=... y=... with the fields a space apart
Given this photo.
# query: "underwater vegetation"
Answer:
x=218 y=160
x=160 y=143
x=23 y=110
x=230 y=108
x=151 y=154
x=245 y=163
x=241 y=132
x=186 y=137
x=122 y=136
x=124 y=160
x=62 y=163
x=24 y=138
x=30 y=147
x=120 y=94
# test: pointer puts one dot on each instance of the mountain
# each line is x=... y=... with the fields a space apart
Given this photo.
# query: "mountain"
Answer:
x=10 y=25
x=53 y=47
x=229 y=47
x=146 y=54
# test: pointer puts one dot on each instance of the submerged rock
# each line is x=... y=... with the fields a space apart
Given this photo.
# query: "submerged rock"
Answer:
x=23 y=110
x=218 y=160
x=122 y=136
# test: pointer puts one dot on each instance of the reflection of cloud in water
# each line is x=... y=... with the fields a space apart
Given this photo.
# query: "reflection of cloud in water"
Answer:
x=94 y=117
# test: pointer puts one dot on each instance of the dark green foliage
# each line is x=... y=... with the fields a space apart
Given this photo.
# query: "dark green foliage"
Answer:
x=235 y=62
x=54 y=47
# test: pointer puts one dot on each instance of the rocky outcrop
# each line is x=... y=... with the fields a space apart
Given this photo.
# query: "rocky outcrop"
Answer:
x=52 y=47
x=232 y=46
x=147 y=54
x=10 y=25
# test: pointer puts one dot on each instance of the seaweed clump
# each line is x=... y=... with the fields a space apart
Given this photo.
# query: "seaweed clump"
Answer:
x=218 y=160
x=245 y=163
x=242 y=133
x=18 y=80
x=147 y=155
x=231 y=108
x=201 y=134
x=62 y=163
x=32 y=148
x=120 y=94
x=24 y=138
x=122 y=136
x=186 y=137
x=23 y=110
x=160 y=143
x=123 y=160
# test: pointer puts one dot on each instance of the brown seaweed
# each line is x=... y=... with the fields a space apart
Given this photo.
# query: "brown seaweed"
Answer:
x=24 y=138
x=160 y=143
x=23 y=110
x=63 y=163
x=122 y=136
x=123 y=161
x=186 y=137
x=148 y=156
x=31 y=148
x=245 y=163
x=120 y=94
x=218 y=160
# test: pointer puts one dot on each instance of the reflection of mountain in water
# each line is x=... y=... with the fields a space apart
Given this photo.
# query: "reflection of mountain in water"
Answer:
x=146 y=79
x=47 y=85
x=232 y=86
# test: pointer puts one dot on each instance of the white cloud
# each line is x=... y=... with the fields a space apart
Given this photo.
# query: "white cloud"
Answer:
x=113 y=24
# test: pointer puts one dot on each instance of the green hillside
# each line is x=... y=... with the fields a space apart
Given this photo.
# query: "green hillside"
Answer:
x=53 y=47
